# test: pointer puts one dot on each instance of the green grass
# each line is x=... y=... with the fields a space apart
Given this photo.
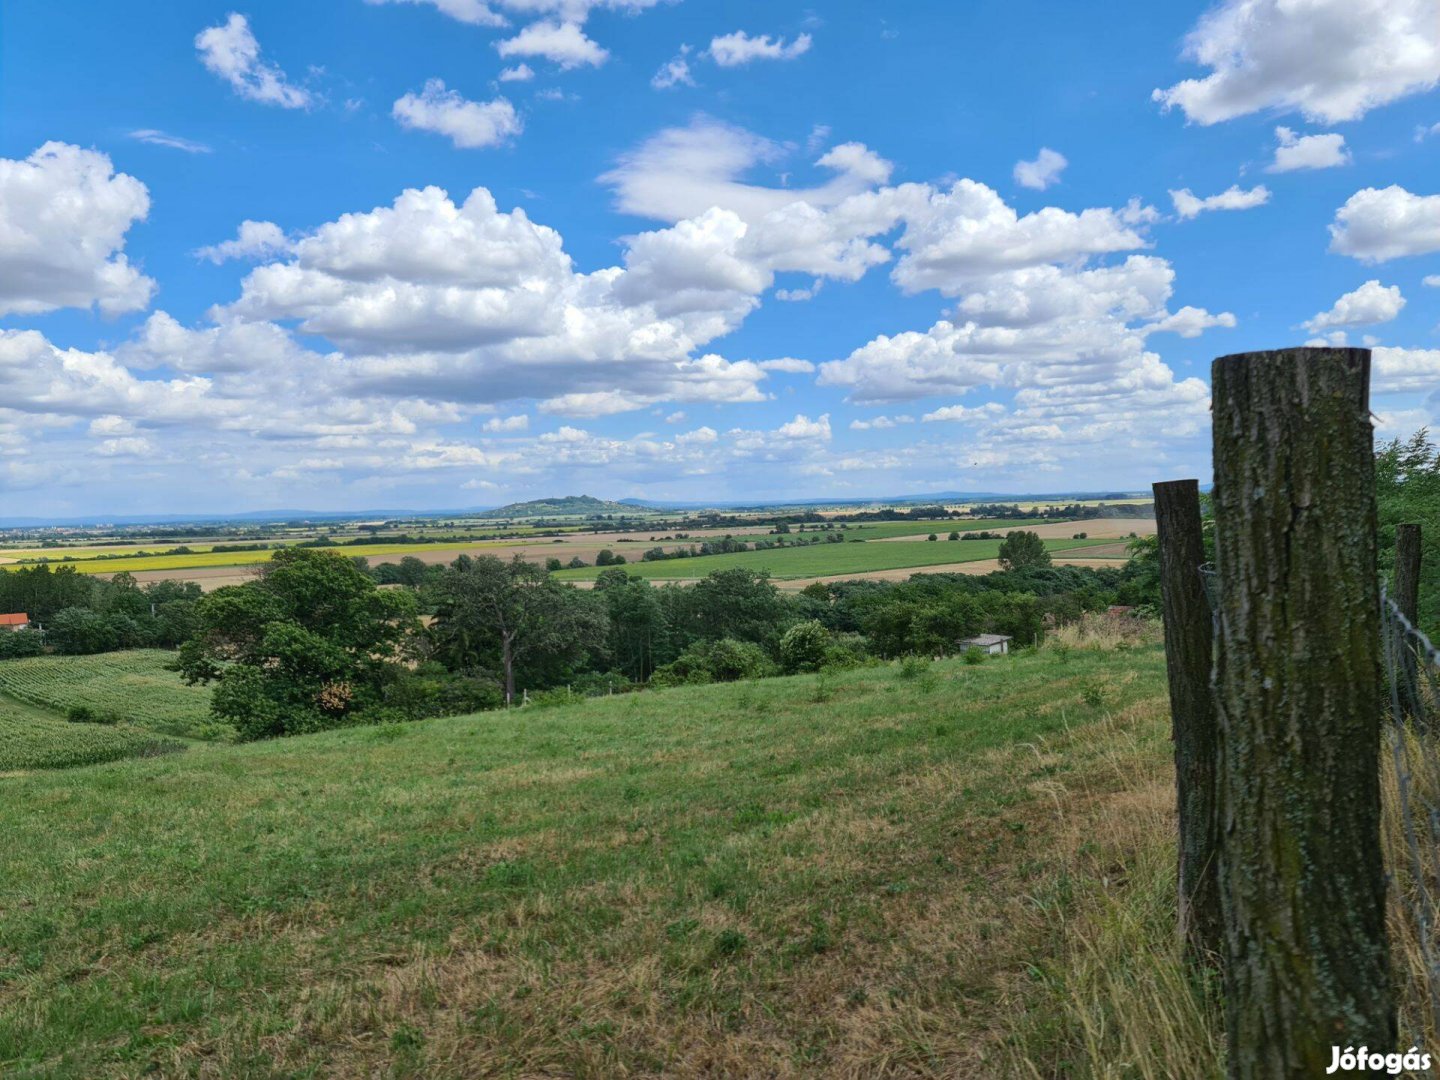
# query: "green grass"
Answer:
x=133 y=687
x=31 y=738
x=819 y=560
x=849 y=874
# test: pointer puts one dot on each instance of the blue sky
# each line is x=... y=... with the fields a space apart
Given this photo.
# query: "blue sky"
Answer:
x=682 y=250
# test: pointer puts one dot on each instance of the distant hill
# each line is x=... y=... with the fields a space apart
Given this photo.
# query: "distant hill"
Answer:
x=569 y=506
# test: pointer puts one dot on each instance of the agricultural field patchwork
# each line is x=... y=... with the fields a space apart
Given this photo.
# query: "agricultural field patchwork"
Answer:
x=821 y=560
x=132 y=688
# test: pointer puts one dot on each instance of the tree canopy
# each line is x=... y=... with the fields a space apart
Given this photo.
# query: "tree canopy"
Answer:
x=306 y=646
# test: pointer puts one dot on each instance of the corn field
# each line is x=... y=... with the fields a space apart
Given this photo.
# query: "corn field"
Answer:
x=123 y=687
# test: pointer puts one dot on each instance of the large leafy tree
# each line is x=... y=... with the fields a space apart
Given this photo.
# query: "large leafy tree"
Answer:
x=1020 y=550
x=638 y=630
x=509 y=615
x=737 y=603
x=306 y=646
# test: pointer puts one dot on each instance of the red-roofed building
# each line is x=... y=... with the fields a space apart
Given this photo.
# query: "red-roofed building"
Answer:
x=15 y=622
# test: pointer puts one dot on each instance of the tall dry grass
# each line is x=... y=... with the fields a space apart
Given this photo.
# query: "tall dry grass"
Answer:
x=1410 y=834
x=1101 y=632
x=1122 y=1003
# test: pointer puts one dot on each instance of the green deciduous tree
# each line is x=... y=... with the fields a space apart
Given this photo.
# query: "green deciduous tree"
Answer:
x=1022 y=549
x=306 y=646
x=504 y=614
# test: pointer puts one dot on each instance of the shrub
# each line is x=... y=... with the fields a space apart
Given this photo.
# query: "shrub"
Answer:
x=803 y=647
x=726 y=660
x=912 y=667
x=21 y=643
x=847 y=651
x=80 y=714
x=975 y=656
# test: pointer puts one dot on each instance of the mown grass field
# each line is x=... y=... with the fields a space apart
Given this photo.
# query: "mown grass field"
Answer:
x=133 y=687
x=857 y=874
x=818 y=560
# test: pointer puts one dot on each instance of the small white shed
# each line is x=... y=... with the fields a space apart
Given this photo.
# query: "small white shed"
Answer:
x=994 y=644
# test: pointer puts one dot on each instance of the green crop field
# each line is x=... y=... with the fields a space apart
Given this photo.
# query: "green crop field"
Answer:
x=823 y=559
x=198 y=560
x=870 y=873
x=134 y=687
x=32 y=738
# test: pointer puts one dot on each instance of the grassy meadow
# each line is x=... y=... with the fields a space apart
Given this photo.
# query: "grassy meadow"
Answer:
x=904 y=870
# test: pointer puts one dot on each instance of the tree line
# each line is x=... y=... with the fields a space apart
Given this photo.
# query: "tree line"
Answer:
x=315 y=642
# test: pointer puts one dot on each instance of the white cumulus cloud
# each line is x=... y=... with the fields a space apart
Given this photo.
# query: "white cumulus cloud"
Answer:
x=563 y=43
x=1331 y=60
x=253 y=240
x=1369 y=305
x=1379 y=224
x=64 y=213
x=468 y=124
x=1042 y=172
x=802 y=427
x=1189 y=205
x=231 y=52
x=733 y=50
x=1307 y=151
x=674 y=72
x=474 y=12
x=507 y=424
x=1190 y=322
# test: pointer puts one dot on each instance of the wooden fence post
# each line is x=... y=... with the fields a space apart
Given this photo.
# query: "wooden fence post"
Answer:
x=1407 y=571
x=1407 y=599
x=1299 y=694
x=1189 y=638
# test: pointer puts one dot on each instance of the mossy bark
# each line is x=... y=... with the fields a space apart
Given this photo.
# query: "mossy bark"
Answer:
x=1189 y=647
x=1299 y=691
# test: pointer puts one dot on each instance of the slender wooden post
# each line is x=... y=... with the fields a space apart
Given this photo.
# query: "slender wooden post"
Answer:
x=1407 y=571
x=1299 y=691
x=1407 y=599
x=1189 y=637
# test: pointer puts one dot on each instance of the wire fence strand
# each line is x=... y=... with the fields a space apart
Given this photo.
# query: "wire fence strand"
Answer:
x=1412 y=794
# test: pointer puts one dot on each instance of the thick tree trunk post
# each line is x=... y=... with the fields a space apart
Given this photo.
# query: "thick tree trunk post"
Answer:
x=1189 y=638
x=1407 y=599
x=1299 y=693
